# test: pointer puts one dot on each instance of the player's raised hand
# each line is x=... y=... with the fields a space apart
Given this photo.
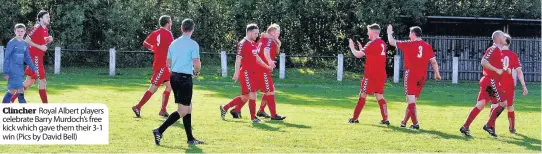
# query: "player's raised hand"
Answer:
x=359 y=45
x=351 y=44
x=390 y=29
x=525 y=91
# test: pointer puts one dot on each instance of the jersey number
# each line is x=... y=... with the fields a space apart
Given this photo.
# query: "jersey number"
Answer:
x=383 y=53
x=158 y=40
x=420 y=50
x=506 y=62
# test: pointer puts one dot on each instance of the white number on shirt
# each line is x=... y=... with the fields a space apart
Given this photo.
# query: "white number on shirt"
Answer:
x=420 y=50
x=383 y=53
x=506 y=62
x=158 y=40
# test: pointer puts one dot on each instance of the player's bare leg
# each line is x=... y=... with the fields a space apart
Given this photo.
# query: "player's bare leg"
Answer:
x=407 y=115
x=409 y=99
x=165 y=99
x=235 y=102
x=359 y=107
x=263 y=104
x=511 y=118
x=269 y=97
x=236 y=111
x=472 y=115
x=411 y=112
x=252 y=107
x=28 y=82
x=490 y=125
x=42 y=84
x=137 y=108
x=383 y=108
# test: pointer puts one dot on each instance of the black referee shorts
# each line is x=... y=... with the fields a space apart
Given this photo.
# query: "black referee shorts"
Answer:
x=182 y=88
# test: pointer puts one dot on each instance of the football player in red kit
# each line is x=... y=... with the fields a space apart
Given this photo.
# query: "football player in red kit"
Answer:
x=247 y=54
x=37 y=39
x=511 y=62
x=417 y=55
x=374 y=78
x=490 y=87
x=158 y=42
x=270 y=43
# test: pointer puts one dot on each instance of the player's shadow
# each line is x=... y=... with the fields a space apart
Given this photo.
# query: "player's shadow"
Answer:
x=236 y=121
x=289 y=124
x=527 y=142
x=189 y=149
x=193 y=149
x=266 y=127
x=422 y=131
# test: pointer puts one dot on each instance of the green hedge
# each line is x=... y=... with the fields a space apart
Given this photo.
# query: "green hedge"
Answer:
x=309 y=27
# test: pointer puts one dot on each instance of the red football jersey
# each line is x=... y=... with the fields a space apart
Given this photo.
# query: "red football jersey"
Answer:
x=417 y=55
x=375 y=63
x=273 y=48
x=248 y=52
x=158 y=42
x=511 y=59
x=493 y=55
x=38 y=35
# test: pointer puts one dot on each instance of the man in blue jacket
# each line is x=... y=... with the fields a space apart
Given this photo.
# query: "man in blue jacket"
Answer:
x=15 y=56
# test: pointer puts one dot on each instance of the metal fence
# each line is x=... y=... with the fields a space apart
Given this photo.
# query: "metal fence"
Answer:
x=458 y=58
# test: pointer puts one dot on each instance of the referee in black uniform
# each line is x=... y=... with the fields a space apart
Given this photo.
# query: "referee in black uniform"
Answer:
x=183 y=59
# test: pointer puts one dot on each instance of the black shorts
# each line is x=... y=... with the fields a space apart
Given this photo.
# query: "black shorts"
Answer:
x=182 y=88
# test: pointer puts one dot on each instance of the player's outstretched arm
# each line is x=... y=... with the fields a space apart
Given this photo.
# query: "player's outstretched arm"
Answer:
x=392 y=41
x=435 y=68
x=522 y=80
x=355 y=52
